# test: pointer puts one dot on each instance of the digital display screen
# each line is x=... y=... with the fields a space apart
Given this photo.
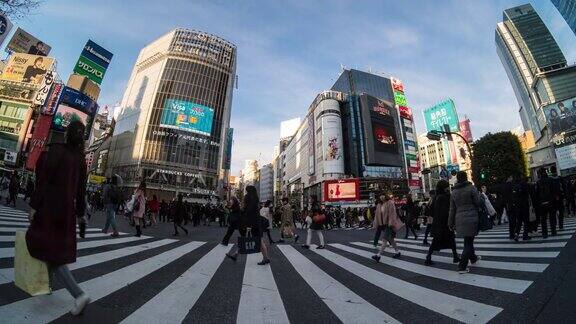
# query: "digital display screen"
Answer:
x=65 y=115
x=342 y=190
x=187 y=116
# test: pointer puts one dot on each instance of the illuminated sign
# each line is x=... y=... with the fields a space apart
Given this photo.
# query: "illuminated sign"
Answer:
x=342 y=190
x=443 y=113
x=405 y=112
x=400 y=99
x=187 y=116
x=397 y=85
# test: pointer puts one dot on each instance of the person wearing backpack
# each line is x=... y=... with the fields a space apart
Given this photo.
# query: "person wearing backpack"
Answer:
x=111 y=200
x=545 y=201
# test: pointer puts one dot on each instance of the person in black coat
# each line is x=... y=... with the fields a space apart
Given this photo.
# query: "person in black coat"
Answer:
x=443 y=237
x=412 y=212
x=179 y=215
x=233 y=219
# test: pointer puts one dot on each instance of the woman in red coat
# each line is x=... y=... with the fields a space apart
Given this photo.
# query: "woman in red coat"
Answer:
x=59 y=200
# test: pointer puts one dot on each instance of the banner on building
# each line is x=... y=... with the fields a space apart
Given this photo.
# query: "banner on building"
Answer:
x=13 y=115
x=442 y=113
x=38 y=140
x=341 y=190
x=93 y=62
x=53 y=99
x=24 y=42
x=44 y=89
x=311 y=145
x=397 y=85
x=332 y=144
x=27 y=68
x=228 y=150
x=466 y=131
x=561 y=116
x=73 y=106
x=5 y=27
x=405 y=112
x=187 y=116
x=18 y=91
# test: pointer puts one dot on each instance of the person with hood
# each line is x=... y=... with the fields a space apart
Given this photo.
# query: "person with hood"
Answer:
x=387 y=217
x=464 y=218
x=443 y=237
x=57 y=205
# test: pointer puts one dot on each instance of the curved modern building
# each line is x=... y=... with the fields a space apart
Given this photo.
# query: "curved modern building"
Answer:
x=175 y=115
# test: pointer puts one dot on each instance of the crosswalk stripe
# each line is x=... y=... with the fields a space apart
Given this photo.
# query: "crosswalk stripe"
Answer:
x=174 y=302
x=460 y=309
x=507 y=240
x=512 y=254
x=260 y=301
x=490 y=282
x=343 y=302
x=9 y=252
x=503 y=246
x=90 y=234
x=506 y=231
x=7 y=274
x=57 y=304
x=13 y=219
x=23 y=229
x=502 y=236
x=512 y=266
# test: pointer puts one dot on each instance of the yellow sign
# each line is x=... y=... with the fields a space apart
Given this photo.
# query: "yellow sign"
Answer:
x=27 y=68
x=96 y=179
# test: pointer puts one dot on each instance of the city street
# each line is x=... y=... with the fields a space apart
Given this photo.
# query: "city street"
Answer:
x=159 y=278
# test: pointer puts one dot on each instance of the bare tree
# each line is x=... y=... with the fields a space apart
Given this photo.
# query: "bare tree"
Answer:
x=17 y=9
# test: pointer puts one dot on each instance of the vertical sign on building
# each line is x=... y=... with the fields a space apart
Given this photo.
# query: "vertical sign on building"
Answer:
x=228 y=150
x=311 y=145
x=410 y=145
x=93 y=62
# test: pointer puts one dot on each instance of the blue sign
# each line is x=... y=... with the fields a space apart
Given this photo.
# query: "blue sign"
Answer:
x=444 y=173
x=97 y=54
x=187 y=116
x=77 y=99
x=453 y=168
x=410 y=143
x=74 y=106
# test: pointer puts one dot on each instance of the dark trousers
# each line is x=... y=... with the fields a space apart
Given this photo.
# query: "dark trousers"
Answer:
x=548 y=213
x=228 y=234
x=427 y=232
x=411 y=228
x=11 y=199
x=377 y=234
x=269 y=236
x=515 y=220
x=561 y=215
x=468 y=253
x=179 y=224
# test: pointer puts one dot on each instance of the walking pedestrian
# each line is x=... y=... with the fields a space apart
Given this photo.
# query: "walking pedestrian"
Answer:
x=233 y=219
x=179 y=215
x=110 y=199
x=463 y=219
x=377 y=224
x=387 y=216
x=154 y=209
x=517 y=207
x=139 y=206
x=316 y=223
x=266 y=219
x=59 y=204
x=443 y=236
x=287 y=227
x=411 y=212
x=249 y=219
x=13 y=188
x=29 y=189
x=163 y=211
x=546 y=202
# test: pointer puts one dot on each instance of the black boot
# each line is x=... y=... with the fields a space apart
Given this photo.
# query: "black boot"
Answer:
x=138 y=231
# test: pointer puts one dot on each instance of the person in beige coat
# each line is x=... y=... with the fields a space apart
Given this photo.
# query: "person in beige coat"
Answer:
x=388 y=219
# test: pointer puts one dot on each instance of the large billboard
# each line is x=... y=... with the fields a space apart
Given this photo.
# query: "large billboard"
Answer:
x=27 y=68
x=38 y=140
x=187 y=116
x=442 y=113
x=466 y=131
x=74 y=105
x=341 y=190
x=5 y=27
x=332 y=150
x=561 y=116
x=381 y=136
x=93 y=62
x=23 y=42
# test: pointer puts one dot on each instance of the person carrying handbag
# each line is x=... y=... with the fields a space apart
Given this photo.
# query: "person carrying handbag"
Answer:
x=315 y=222
x=387 y=217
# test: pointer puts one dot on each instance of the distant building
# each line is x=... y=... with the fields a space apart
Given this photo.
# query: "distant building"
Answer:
x=567 y=9
x=250 y=173
x=266 y=183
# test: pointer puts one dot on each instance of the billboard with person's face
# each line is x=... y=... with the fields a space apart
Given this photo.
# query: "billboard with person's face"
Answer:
x=27 y=68
x=561 y=116
x=23 y=42
x=187 y=116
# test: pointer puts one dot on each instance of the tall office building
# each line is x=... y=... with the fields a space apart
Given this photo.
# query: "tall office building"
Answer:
x=526 y=49
x=175 y=115
x=567 y=9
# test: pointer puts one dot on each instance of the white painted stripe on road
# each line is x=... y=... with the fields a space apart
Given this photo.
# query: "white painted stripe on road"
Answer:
x=506 y=231
x=89 y=234
x=260 y=301
x=512 y=266
x=9 y=252
x=507 y=240
x=58 y=303
x=460 y=309
x=174 y=302
x=512 y=254
x=7 y=274
x=344 y=303
x=503 y=236
x=489 y=282
x=519 y=245
x=23 y=229
x=13 y=219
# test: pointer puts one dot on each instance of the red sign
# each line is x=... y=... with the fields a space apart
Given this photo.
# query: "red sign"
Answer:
x=465 y=130
x=414 y=183
x=405 y=112
x=412 y=169
x=38 y=140
x=397 y=84
x=342 y=190
x=52 y=102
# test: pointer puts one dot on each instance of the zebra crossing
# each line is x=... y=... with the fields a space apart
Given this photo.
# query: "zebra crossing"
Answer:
x=174 y=281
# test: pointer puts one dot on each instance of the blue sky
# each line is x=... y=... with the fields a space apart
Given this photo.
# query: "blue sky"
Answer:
x=290 y=50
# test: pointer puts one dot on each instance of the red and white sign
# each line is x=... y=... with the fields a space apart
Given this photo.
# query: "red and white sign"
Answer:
x=405 y=112
x=38 y=140
x=465 y=130
x=342 y=190
x=52 y=101
x=414 y=183
x=397 y=85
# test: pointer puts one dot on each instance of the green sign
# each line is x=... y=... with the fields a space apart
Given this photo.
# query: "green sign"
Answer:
x=89 y=69
x=411 y=157
x=442 y=113
x=400 y=99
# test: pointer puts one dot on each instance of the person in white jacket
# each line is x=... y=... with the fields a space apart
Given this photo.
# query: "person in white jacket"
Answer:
x=489 y=208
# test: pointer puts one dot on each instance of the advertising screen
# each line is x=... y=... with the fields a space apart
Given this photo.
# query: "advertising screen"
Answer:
x=65 y=115
x=466 y=131
x=332 y=144
x=187 y=116
x=27 y=68
x=566 y=157
x=342 y=190
x=381 y=132
x=12 y=117
x=561 y=116
x=442 y=113
x=23 y=42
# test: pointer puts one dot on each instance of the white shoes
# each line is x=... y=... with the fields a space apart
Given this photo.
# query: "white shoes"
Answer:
x=79 y=304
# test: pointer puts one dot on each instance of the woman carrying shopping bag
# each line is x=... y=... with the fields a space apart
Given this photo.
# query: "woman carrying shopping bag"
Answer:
x=56 y=206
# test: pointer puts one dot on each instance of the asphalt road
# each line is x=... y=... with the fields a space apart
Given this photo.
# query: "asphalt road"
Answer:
x=162 y=278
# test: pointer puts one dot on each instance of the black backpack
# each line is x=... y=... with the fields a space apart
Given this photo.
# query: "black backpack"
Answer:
x=545 y=191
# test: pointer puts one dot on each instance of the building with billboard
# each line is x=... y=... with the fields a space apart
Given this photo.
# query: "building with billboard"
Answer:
x=538 y=73
x=567 y=9
x=175 y=115
x=357 y=136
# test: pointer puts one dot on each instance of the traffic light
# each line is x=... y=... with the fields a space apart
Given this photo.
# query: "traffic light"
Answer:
x=434 y=135
x=482 y=175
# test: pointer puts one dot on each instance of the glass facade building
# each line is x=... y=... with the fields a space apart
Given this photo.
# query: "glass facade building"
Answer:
x=567 y=9
x=175 y=115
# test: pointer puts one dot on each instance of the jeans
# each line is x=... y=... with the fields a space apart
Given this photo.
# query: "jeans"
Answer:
x=427 y=232
x=468 y=253
x=309 y=237
x=547 y=212
x=110 y=218
x=377 y=235
x=65 y=276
